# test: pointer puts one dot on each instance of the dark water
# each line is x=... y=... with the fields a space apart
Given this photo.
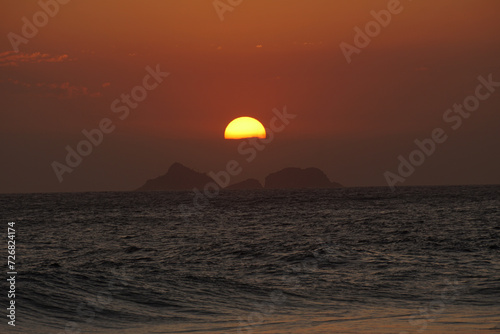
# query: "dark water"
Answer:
x=317 y=261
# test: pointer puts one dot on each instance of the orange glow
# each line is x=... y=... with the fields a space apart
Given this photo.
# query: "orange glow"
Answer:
x=244 y=127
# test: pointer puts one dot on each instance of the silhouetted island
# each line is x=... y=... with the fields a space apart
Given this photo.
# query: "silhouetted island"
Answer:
x=289 y=178
x=247 y=184
x=180 y=177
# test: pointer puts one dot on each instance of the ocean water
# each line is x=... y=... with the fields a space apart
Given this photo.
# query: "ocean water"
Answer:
x=353 y=260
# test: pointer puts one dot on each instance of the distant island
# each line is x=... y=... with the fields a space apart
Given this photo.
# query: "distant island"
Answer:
x=247 y=184
x=180 y=177
x=299 y=178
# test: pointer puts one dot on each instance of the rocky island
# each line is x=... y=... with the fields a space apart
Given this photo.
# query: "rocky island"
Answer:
x=297 y=178
x=180 y=177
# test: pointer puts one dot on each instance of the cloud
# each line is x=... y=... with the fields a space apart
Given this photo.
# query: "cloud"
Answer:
x=13 y=59
x=58 y=90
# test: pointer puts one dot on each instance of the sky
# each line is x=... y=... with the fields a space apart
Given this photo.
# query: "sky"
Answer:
x=359 y=98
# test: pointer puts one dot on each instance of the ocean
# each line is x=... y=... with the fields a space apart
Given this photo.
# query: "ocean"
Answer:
x=347 y=260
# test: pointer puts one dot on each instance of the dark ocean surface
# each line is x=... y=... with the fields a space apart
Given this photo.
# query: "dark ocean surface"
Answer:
x=353 y=260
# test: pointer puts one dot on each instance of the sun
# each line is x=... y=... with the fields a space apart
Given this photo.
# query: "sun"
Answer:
x=244 y=127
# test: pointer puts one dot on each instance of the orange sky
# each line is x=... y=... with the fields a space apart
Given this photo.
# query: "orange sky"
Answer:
x=353 y=120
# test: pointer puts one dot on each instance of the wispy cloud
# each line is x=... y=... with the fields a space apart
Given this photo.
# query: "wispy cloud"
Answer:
x=13 y=59
x=58 y=90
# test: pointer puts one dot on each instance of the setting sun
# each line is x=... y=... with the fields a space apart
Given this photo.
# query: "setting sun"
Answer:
x=244 y=127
